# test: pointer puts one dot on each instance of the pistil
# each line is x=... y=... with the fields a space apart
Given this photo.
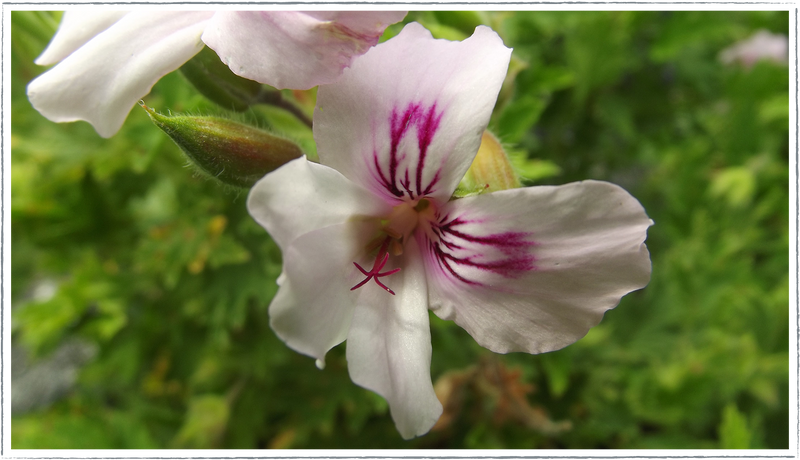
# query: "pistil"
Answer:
x=375 y=273
x=396 y=228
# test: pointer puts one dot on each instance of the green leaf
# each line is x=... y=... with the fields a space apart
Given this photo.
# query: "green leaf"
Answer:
x=557 y=367
x=519 y=116
x=227 y=251
x=532 y=169
x=204 y=424
x=735 y=184
x=733 y=430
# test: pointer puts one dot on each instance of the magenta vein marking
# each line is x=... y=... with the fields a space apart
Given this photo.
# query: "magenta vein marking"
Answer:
x=401 y=183
x=425 y=133
x=514 y=246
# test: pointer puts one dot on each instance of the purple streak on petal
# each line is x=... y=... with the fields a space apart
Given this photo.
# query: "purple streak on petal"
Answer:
x=381 y=178
x=406 y=183
x=444 y=263
x=362 y=40
x=509 y=268
x=399 y=127
x=450 y=245
x=507 y=242
x=429 y=189
x=509 y=253
x=426 y=128
x=401 y=183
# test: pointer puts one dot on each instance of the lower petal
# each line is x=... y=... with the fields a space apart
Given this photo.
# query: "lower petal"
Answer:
x=103 y=80
x=312 y=310
x=302 y=196
x=533 y=269
x=389 y=347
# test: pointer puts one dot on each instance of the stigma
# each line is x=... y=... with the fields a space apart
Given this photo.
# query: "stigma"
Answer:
x=395 y=230
x=375 y=273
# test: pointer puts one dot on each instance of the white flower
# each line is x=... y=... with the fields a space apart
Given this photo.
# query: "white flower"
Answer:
x=108 y=60
x=371 y=239
x=761 y=46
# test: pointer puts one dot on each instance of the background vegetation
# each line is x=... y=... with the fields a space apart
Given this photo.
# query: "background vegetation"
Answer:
x=140 y=287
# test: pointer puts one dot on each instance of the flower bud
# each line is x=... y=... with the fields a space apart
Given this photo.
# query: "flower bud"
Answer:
x=490 y=171
x=234 y=153
x=214 y=80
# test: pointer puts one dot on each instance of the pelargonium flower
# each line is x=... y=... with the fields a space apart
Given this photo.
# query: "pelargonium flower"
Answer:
x=371 y=239
x=761 y=46
x=108 y=60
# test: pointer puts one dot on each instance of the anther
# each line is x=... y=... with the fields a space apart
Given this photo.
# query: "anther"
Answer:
x=396 y=247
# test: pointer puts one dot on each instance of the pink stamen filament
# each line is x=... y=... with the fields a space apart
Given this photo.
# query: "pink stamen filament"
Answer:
x=376 y=268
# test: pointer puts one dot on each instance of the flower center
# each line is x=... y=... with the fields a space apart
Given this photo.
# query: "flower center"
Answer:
x=375 y=273
x=395 y=231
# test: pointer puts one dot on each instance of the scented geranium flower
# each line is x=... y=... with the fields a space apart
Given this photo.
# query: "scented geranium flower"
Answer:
x=108 y=60
x=371 y=239
x=761 y=46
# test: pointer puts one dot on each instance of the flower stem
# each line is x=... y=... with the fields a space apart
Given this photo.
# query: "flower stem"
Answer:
x=275 y=98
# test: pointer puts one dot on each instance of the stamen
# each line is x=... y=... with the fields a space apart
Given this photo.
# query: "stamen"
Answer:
x=375 y=243
x=396 y=247
x=375 y=273
x=392 y=232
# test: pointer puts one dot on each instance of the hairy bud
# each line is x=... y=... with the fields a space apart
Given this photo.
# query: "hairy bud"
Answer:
x=234 y=153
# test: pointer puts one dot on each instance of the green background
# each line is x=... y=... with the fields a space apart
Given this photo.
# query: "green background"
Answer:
x=161 y=278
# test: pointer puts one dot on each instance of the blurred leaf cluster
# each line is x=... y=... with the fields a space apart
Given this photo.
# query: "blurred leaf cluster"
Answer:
x=115 y=242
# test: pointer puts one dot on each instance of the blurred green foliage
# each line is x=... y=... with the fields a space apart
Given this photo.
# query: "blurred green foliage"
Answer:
x=166 y=273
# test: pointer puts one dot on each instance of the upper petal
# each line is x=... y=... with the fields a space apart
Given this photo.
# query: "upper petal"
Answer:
x=533 y=269
x=406 y=118
x=301 y=196
x=288 y=49
x=389 y=347
x=77 y=28
x=102 y=80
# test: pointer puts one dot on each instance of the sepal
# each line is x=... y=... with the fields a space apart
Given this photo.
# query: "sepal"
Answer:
x=490 y=171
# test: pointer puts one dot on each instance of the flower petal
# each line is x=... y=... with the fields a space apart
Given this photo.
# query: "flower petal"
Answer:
x=101 y=81
x=389 y=347
x=763 y=45
x=406 y=118
x=533 y=269
x=314 y=305
x=301 y=196
x=77 y=27
x=288 y=49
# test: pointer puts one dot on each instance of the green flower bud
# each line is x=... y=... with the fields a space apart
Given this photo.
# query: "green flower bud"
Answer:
x=234 y=153
x=490 y=171
x=214 y=80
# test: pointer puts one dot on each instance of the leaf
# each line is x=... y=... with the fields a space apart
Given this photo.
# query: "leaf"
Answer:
x=532 y=169
x=735 y=184
x=519 y=116
x=733 y=430
x=227 y=251
x=204 y=424
x=557 y=368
